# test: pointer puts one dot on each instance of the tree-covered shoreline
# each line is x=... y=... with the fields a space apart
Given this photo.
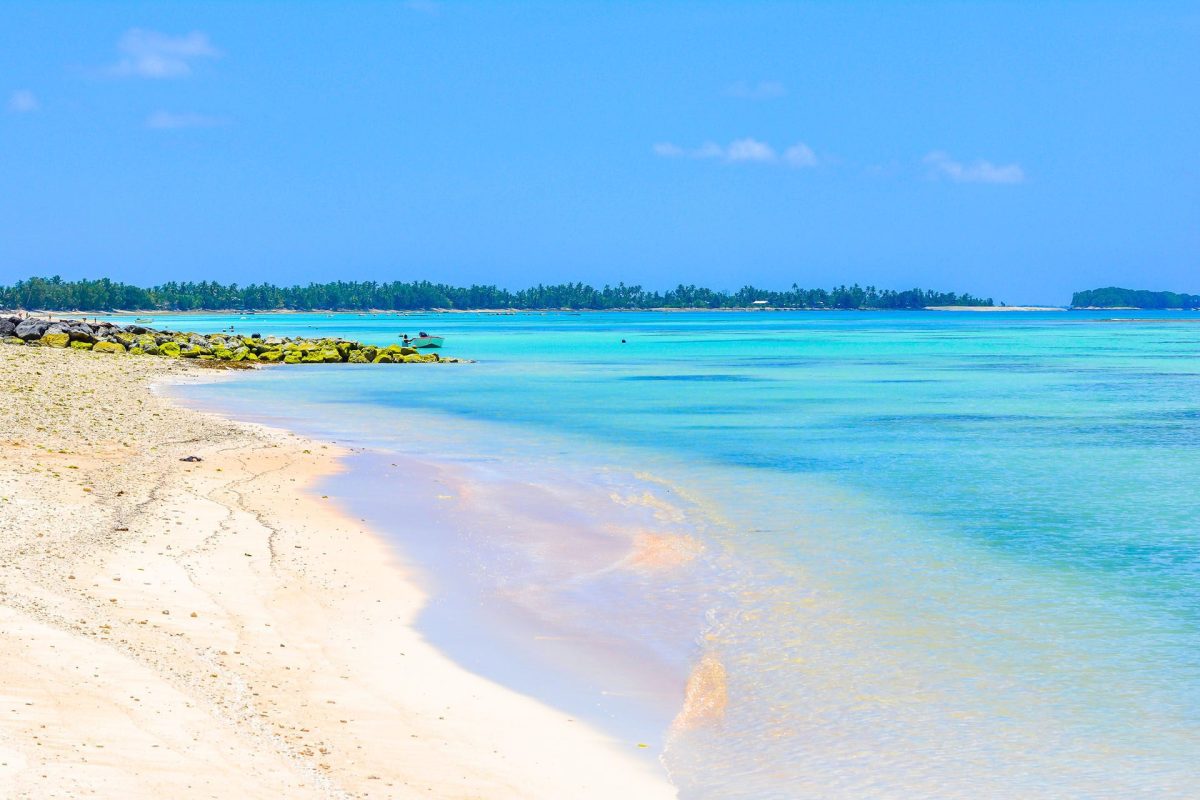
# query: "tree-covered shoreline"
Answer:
x=56 y=294
x=1114 y=297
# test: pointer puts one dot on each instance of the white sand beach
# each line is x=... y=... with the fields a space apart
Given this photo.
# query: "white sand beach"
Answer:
x=211 y=630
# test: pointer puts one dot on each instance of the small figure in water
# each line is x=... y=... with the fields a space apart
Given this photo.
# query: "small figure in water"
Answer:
x=405 y=340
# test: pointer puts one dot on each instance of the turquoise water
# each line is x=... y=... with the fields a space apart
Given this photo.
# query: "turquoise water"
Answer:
x=936 y=554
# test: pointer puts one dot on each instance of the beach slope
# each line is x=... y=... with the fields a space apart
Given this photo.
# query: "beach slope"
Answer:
x=210 y=629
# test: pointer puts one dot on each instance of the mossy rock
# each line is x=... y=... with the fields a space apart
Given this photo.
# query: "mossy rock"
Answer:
x=292 y=357
x=357 y=357
x=125 y=339
x=313 y=357
x=239 y=354
x=252 y=356
x=150 y=350
x=14 y=340
x=271 y=356
x=170 y=349
x=223 y=353
x=383 y=357
x=137 y=351
x=81 y=345
x=412 y=358
x=331 y=355
x=108 y=347
x=146 y=341
x=56 y=339
x=369 y=352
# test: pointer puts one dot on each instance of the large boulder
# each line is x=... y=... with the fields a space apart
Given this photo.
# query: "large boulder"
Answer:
x=81 y=332
x=7 y=327
x=55 y=339
x=108 y=347
x=169 y=348
x=271 y=356
x=30 y=329
x=357 y=357
x=81 y=345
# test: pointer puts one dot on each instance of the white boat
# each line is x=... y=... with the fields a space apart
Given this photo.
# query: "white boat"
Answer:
x=426 y=341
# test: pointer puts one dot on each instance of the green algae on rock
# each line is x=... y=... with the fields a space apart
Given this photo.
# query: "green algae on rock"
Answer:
x=56 y=339
x=215 y=348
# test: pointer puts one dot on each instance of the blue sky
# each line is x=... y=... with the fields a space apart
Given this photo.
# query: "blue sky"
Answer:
x=1017 y=150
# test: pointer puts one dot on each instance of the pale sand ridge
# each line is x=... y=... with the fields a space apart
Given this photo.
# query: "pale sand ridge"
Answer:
x=209 y=631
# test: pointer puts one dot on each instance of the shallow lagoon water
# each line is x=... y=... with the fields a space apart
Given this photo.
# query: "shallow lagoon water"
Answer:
x=941 y=554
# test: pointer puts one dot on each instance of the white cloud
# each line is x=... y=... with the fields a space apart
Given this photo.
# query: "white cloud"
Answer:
x=750 y=150
x=763 y=90
x=149 y=54
x=800 y=155
x=745 y=150
x=708 y=150
x=943 y=166
x=167 y=120
x=23 y=101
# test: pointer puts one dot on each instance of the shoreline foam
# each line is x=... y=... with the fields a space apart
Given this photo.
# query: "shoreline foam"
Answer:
x=183 y=630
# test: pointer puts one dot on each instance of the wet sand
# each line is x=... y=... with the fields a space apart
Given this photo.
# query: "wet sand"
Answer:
x=209 y=629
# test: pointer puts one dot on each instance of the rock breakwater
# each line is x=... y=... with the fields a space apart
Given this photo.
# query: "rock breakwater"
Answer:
x=107 y=337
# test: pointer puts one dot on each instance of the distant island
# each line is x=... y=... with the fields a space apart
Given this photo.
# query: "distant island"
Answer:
x=1113 y=297
x=55 y=294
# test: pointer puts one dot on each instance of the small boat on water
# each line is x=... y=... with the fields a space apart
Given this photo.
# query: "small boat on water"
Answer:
x=143 y=319
x=423 y=340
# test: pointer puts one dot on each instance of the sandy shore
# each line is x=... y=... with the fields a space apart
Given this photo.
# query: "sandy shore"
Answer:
x=994 y=309
x=190 y=630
